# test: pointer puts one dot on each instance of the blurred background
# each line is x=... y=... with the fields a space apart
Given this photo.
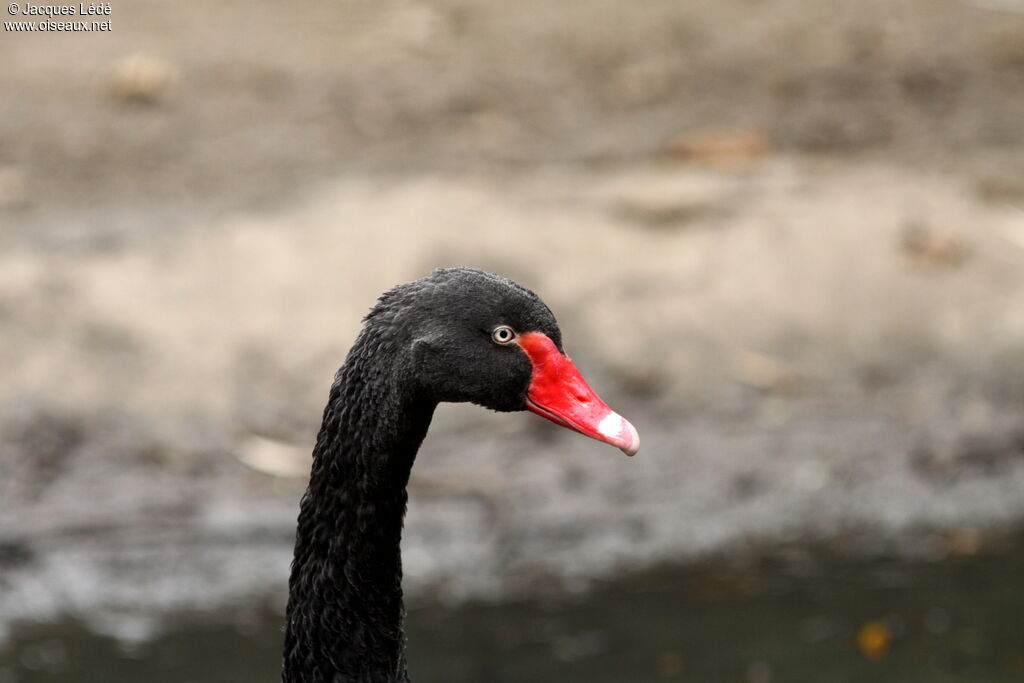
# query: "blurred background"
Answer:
x=784 y=237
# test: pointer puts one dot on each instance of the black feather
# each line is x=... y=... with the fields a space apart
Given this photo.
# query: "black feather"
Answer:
x=424 y=342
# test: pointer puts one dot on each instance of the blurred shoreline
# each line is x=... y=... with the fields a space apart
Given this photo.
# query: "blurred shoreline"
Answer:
x=790 y=382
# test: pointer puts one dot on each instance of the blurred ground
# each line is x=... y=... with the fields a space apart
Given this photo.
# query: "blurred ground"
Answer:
x=785 y=238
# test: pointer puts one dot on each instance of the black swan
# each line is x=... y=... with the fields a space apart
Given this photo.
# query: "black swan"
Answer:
x=457 y=335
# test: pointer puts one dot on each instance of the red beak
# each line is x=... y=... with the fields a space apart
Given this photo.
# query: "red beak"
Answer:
x=558 y=392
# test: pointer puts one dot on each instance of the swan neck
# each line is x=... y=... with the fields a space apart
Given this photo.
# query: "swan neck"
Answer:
x=345 y=612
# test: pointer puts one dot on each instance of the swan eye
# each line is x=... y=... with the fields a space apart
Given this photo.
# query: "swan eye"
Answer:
x=503 y=334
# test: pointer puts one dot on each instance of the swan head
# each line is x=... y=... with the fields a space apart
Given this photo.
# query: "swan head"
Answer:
x=471 y=336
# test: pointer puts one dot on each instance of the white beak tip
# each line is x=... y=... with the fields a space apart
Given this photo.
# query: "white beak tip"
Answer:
x=633 y=444
x=618 y=431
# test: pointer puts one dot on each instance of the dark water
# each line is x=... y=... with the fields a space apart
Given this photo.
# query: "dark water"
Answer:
x=792 y=617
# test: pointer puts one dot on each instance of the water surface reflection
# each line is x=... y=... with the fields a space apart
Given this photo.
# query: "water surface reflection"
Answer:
x=793 y=616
